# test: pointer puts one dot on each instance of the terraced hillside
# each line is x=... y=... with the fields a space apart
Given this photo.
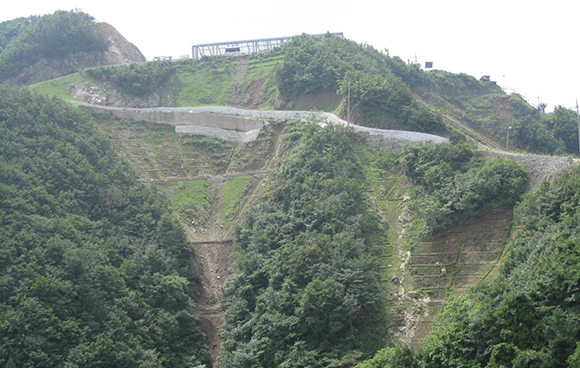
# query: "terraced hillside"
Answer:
x=457 y=260
x=210 y=183
x=159 y=153
x=422 y=274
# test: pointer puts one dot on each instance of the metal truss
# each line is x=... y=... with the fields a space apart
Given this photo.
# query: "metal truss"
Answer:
x=242 y=47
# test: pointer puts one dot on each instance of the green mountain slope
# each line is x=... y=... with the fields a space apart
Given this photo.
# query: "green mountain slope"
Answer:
x=528 y=316
x=26 y=40
x=332 y=249
x=314 y=73
x=94 y=268
x=40 y=48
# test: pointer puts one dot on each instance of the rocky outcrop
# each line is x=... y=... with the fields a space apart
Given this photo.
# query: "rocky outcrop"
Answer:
x=106 y=95
x=119 y=51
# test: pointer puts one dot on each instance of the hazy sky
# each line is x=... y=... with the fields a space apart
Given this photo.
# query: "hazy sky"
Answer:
x=524 y=47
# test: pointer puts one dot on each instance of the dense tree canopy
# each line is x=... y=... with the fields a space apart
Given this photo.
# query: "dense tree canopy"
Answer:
x=93 y=268
x=529 y=316
x=24 y=41
x=379 y=95
x=456 y=182
x=536 y=131
x=316 y=63
x=563 y=123
x=10 y=29
x=304 y=291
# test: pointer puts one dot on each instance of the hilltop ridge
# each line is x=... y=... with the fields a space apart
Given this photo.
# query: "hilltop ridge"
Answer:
x=314 y=73
x=59 y=44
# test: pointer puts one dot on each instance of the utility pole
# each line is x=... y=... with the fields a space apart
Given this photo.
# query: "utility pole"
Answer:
x=578 y=114
x=507 y=143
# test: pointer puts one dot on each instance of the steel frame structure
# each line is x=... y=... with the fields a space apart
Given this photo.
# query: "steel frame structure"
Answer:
x=242 y=47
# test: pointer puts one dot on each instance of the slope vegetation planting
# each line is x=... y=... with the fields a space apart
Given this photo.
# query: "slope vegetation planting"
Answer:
x=311 y=247
x=317 y=73
x=456 y=261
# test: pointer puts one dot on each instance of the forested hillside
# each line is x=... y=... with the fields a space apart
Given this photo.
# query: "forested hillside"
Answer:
x=305 y=289
x=94 y=269
x=529 y=315
x=40 y=48
x=455 y=182
x=25 y=41
x=339 y=249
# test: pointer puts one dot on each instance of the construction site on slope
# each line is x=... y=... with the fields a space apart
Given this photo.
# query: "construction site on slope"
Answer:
x=212 y=182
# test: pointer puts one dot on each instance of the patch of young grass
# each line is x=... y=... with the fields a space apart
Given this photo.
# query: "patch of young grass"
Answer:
x=178 y=142
x=191 y=200
x=59 y=87
x=152 y=146
x=205 y=83
x=232 y=192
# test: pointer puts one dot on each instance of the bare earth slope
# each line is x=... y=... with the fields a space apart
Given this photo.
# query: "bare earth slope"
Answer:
x=216 y=182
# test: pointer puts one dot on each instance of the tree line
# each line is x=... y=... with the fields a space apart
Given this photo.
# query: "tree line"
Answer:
x=304 y=289
x=536 y=131
x=455 y=182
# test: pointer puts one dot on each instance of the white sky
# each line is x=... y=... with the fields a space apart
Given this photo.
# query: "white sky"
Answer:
x=527 y=46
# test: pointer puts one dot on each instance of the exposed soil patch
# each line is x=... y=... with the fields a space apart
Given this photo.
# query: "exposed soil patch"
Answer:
x=212 y=262
x=454 y=262
x=159 y=154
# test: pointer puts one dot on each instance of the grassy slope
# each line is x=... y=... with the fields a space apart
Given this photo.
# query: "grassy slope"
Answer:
x=60 y=87
x=203 y=84
x=477 y=109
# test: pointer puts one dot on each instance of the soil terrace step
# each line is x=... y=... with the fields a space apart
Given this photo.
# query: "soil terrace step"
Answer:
x=454 y=262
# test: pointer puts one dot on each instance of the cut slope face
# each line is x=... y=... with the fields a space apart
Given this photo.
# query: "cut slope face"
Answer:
x=456 y=261
x=158 y=153
x=211 y=184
